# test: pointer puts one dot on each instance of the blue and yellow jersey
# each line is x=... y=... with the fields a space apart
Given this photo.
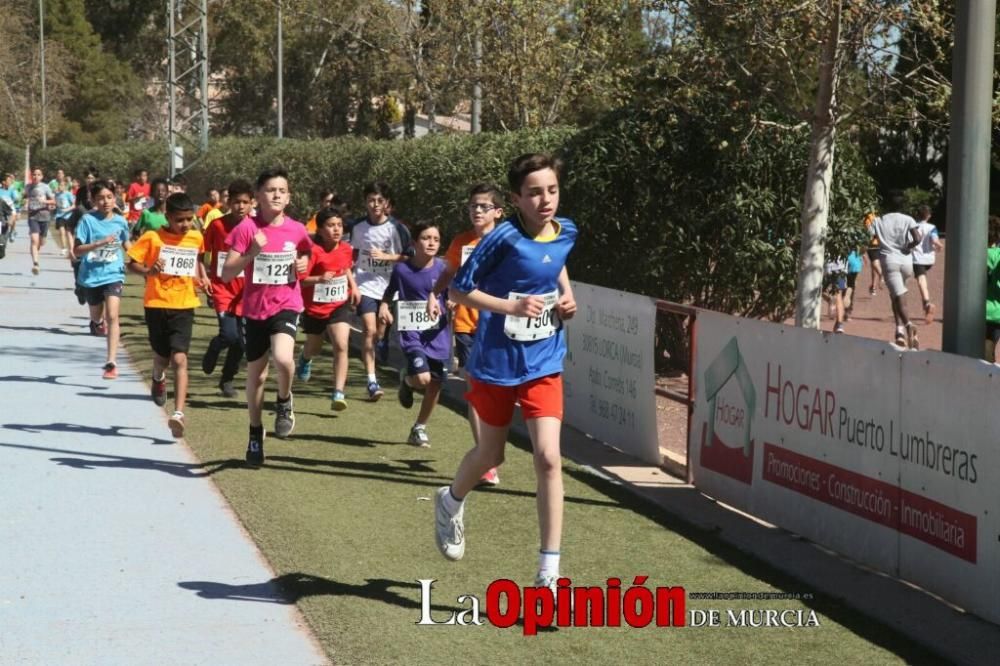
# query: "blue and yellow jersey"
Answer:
x=509 y=263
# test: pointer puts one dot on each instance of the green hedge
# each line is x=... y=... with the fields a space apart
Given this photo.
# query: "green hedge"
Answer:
x=429 y=177
x=680 y=200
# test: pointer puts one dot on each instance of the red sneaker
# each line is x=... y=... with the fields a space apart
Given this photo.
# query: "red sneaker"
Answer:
x=110 y=371
x=491 y=478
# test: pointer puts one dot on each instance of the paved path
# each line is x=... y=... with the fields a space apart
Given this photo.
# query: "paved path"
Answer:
x=102 y=561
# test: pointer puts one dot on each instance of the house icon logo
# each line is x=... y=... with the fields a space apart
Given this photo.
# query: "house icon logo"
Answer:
x=726 y=443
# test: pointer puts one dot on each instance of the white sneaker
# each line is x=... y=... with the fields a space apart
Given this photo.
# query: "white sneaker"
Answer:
x=176 y=425
x=542 y=580
x=449 y=531
x=418 y=436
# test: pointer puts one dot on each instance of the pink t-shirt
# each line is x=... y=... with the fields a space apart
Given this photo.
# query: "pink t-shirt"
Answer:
x=271 y=284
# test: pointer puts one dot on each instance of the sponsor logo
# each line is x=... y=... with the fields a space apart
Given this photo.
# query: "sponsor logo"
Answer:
x=727 y=446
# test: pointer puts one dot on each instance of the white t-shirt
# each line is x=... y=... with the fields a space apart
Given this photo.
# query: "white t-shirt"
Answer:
x=923 y=254
x=893 y=231
x=372 y=275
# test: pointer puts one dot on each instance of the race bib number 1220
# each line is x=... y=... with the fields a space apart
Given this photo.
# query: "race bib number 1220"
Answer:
x=274 y=268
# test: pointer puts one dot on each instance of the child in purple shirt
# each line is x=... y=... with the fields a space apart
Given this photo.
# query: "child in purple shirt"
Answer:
x=426 y=341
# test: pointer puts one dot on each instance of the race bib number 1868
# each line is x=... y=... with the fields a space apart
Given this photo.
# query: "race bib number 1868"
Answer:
x=179 y=261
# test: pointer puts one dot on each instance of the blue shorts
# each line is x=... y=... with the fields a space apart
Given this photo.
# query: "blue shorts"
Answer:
x=368 y=305
x=417 y=363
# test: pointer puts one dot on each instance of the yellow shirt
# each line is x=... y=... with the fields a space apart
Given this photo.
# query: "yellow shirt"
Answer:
x=172 y=288
x=213 y=215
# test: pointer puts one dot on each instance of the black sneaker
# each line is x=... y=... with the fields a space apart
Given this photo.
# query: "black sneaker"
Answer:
x=228 y=390
x=211 y=357
x=284 y=418
x=382 y=350
x=255 y=449
x=405 y=392
x=158 y=391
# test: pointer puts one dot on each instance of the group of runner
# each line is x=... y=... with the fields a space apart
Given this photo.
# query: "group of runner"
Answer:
x=900 y=248
x=502 y=291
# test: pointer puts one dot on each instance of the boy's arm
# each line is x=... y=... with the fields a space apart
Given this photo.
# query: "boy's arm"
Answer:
x=235 y=264
x=353 y=294
x=236 y=261
x=530 y=306
x=440 y=287
x=384 y=308
x=566 y=306
x=83 y=248
x=203 y=281
x=936 y=241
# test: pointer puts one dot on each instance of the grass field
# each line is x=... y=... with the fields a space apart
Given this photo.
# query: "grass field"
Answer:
x=343 y=513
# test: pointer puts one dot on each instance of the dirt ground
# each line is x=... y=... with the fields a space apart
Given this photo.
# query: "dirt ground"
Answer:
x=871 y=318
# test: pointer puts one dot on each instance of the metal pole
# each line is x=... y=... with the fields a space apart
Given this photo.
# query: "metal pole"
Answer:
x=203 y=41
x=172 y=88
x=968 y=178
x=41 y=34
x=281 y=96
x=477 y=87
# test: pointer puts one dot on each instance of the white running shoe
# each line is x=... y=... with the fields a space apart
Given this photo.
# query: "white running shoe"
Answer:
x=449 y=531
x=418 y=436
x=551 y=582
x=176 y=424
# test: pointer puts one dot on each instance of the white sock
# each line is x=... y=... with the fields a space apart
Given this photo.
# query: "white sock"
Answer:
x=452 y=504
x=371 y=378
x=548 y=563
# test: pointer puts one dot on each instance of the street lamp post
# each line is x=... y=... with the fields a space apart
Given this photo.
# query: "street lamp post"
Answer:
x=41 y=34
x=281 y=96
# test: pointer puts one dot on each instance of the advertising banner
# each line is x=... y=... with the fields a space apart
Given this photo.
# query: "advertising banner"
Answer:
x=608 y=375
x=884 y=456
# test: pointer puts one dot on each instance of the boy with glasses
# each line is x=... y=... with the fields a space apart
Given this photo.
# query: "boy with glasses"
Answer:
x=485 y=210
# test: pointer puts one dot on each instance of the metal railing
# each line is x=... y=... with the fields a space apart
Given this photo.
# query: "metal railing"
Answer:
x=690 y=312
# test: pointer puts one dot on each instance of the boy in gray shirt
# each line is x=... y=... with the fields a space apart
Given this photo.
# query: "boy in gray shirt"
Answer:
x=897 y=236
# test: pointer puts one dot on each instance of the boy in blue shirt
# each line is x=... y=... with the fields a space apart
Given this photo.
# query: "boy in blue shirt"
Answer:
x=516 y=277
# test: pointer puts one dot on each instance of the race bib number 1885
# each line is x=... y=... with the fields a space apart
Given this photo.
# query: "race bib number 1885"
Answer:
x=412 y=316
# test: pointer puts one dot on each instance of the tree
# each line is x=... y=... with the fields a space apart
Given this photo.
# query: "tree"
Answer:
x=105 y=89
x=822 y=65
x=21 y=82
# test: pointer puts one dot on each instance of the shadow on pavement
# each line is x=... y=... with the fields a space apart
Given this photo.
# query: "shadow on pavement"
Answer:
x=45 y=329
x=116 y=396
x=48 y=379
x=289 y=588
x=110 y=431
